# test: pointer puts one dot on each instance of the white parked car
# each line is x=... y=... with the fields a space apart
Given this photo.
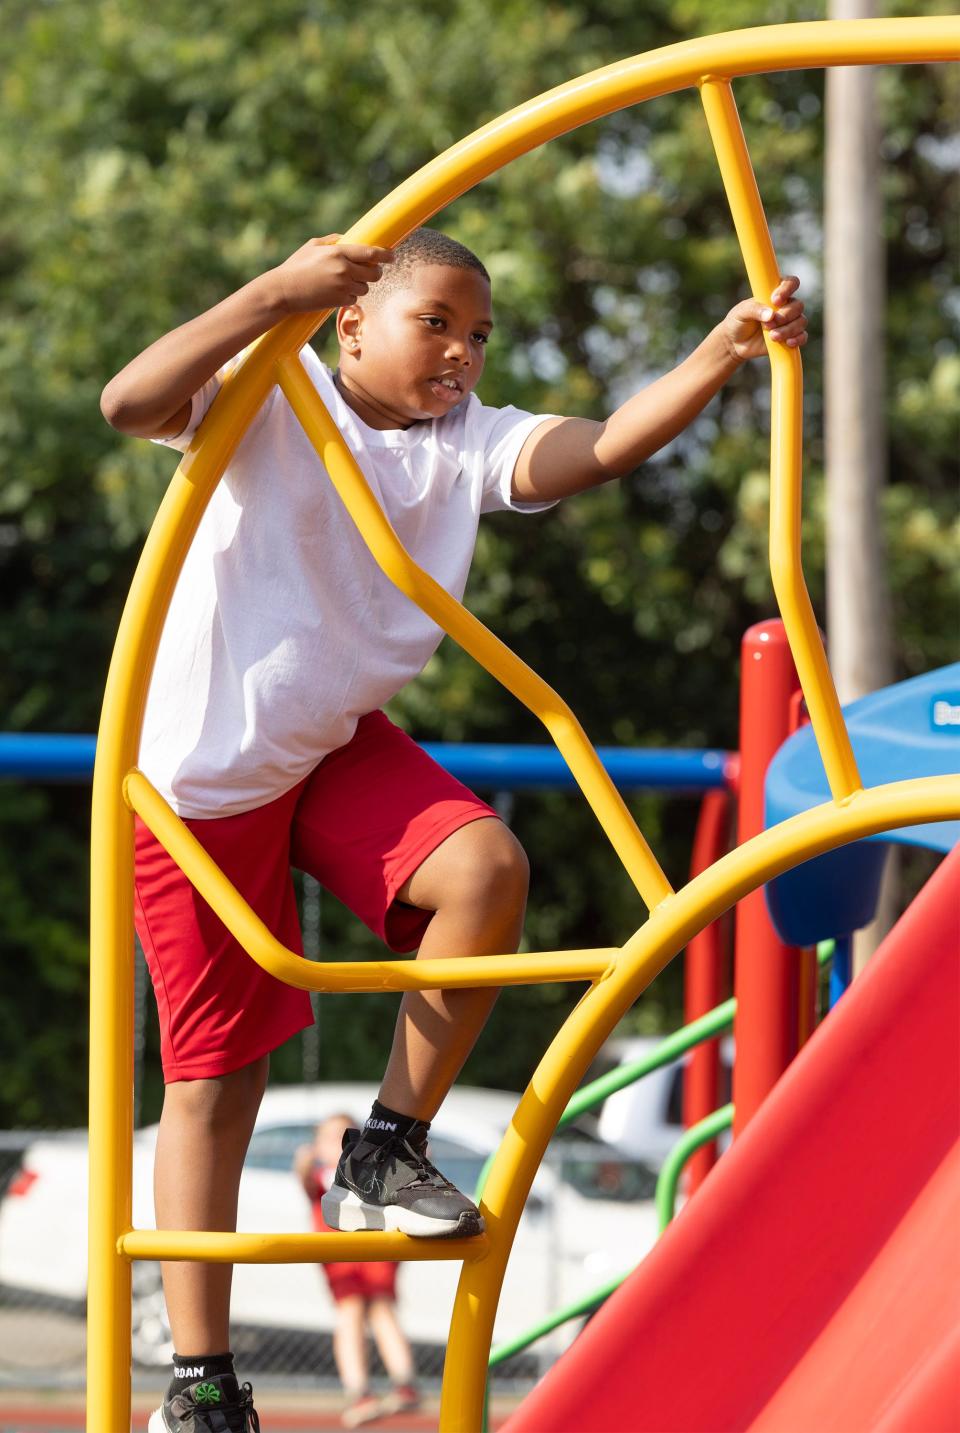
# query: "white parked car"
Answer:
x=590 y=1216
x=645 y=1120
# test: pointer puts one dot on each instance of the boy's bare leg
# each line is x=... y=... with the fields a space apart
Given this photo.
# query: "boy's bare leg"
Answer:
x=476 y=882
x=205 y=1128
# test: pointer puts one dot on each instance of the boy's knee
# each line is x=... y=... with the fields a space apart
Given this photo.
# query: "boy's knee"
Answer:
x=493 y=868
x=221 y=1099
x=480 y=868
x=510 y=866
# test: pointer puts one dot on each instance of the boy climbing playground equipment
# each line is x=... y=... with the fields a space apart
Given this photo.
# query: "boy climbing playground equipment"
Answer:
x=615 y=976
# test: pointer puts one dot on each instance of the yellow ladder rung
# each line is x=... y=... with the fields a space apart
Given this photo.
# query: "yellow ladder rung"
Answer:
x=441 y=972
x=227 y=1248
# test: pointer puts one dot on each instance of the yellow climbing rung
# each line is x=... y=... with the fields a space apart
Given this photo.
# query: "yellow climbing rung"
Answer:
x=219 y=1248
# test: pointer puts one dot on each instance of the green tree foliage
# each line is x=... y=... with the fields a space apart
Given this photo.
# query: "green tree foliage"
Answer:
x=155 y=156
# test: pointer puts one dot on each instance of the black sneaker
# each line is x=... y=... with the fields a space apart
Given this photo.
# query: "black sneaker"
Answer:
x=214 y=1405
x=394 y=1186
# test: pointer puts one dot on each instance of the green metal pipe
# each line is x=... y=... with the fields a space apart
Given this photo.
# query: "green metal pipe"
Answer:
x=584 y=1305
x=693 y=1138
x=704 y=1028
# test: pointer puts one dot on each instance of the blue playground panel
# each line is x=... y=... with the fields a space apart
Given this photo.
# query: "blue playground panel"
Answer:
x=911 y=729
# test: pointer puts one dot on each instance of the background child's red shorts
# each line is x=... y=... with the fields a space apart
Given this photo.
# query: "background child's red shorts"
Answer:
x=361 y=823
x=363 y=1281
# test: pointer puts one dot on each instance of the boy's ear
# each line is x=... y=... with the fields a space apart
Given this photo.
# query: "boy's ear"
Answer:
x=349 y=324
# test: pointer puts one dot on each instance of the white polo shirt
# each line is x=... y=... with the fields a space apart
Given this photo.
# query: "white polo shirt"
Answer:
x=283 y=631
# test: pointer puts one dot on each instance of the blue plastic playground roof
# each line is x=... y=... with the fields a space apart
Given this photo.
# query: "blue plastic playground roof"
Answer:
x=911 y=729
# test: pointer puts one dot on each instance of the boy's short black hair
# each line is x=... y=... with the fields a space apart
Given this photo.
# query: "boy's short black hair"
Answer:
x=425 y=246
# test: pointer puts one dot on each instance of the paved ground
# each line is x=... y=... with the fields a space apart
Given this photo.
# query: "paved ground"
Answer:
x=34 y=1412
x=38 y=1339
x=38 y=1347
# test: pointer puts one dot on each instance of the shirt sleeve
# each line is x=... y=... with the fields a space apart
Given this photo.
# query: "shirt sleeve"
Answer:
x=200 y=404
x=501 y=434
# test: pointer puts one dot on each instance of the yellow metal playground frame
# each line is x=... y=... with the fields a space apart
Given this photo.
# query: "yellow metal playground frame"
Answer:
x=615 y=976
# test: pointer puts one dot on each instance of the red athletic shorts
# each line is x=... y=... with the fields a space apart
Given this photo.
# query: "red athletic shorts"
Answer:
x=363 y=1281
x=361 y=823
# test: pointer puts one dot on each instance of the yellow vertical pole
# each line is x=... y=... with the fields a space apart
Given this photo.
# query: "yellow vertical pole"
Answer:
x=111 y=1102
x=786 y=445
x=111 y=905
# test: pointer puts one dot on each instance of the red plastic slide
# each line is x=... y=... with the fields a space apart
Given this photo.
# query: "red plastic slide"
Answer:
x=813 y=1285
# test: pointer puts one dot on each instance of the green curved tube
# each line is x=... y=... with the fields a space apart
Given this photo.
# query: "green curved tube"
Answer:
x=697 y=1135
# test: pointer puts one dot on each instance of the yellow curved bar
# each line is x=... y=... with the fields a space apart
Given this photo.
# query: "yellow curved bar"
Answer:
x=786 y=446
x=218 y=1248
x=345 y=976
x=564 y=1064
x=642 y=77
x=588 y=770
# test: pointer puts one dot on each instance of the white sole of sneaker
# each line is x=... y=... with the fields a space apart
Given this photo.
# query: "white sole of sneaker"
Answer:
x=156 y=1424
x=346 y=1211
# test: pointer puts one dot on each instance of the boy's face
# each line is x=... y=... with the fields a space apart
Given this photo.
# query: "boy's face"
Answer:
x=418 y=351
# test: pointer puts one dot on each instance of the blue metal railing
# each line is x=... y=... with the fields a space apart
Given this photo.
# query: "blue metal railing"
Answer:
x=30 y=756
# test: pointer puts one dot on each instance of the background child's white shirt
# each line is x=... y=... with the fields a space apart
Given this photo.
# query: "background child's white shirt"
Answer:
x=282 y=631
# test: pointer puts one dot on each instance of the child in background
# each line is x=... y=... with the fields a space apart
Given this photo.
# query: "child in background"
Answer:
x=364 y=1295
x=264 y=726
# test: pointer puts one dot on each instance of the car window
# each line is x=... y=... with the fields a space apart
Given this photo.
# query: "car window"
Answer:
x=592 y=1173
x=604 y=1175
x=674 y=1115
x=274 y=1146
x=460 y=1165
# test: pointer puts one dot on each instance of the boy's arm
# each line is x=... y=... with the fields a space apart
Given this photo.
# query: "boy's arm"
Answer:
x=567 y=455
x=150 y=398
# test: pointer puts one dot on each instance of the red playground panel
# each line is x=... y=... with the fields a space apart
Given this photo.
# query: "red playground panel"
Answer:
x=813 y=1282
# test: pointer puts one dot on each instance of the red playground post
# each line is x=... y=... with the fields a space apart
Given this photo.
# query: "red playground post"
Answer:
x=703 y=986
x=766 y=972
